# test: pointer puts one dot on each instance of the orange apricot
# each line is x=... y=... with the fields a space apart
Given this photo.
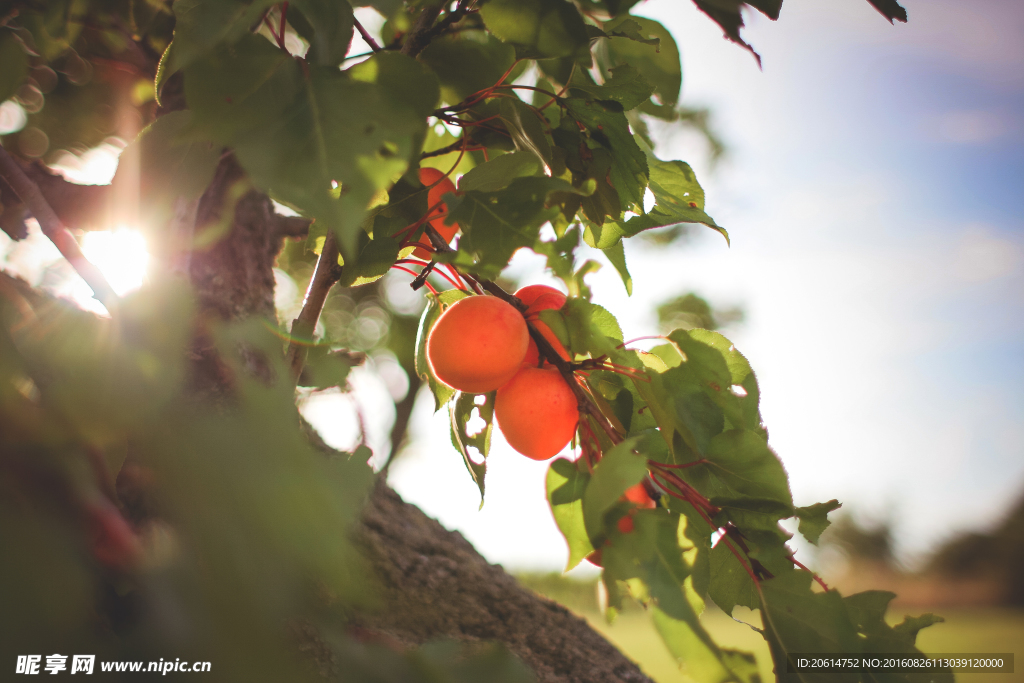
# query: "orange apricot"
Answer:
x=540 y=298
x=478 y=344
x=429 y=176
x=638 y=495
x=537 y=412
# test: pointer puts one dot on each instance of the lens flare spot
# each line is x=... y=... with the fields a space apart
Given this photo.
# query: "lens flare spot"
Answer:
x=122 y=256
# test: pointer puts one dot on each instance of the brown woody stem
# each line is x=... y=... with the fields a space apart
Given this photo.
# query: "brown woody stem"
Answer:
x=52 y=227
x=327 y=273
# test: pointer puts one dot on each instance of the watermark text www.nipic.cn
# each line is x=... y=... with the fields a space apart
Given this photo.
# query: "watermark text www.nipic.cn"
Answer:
x=86 y=664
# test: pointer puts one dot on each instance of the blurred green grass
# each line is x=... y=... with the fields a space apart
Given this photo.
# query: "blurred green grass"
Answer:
x=965 y=630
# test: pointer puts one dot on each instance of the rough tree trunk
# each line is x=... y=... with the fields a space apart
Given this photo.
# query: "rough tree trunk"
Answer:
x=433 y=584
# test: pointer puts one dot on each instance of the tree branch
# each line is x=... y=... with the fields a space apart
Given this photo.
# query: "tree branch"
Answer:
x=420 y=35
x=52 y=227
x=327 y=273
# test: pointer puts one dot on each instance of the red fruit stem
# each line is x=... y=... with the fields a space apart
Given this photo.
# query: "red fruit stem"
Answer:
x=792 y=558
x=562 y=91
x=415 y=274
x=281 y=25
x=650 y=336
x=684 y=465
x=443 y=274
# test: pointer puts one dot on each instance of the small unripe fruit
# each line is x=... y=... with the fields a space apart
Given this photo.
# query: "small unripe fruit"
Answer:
x=541 y=298
x=478 y=344
x=429 y=176
x=537 y=412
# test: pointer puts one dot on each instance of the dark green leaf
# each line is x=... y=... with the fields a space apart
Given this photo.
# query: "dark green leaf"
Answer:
x=296 y=131
x=496 y=224
x=538 y=28
x=625 y=85
x=678 y=196
x=565 y=486
x=740 y=464
x=526 y=126
x=332 y=23
x=607 y=130
x=890 y=9
x=465 y=67
x=203 y=26
x=814 y=519
x=727 y=14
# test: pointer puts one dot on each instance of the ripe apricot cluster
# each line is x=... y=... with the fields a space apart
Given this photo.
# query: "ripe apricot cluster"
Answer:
x=482 y=344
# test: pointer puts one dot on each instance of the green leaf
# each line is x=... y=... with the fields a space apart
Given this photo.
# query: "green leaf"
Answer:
x=203 y=26
x=373 y=259
x=566 y=483
x=616 y=254
x=656 y=59
x=624 y=85
x=629 y=28
x=698 y=655
x=741 y=465
x=435 y=306
x=525 y=126
x=796 y=619
x=678 y=197
x=619 y=469
x=15 y=65
x=591 y=328
x=461 y=411
x=814 y=519
x=296 y=131
x=607 y=130
x=332 y=22
x=722 y=373
x=538 y=28
x=465 y=67
x=496 y=224
x=730 y=583
x=499 y=172
x=656 y=554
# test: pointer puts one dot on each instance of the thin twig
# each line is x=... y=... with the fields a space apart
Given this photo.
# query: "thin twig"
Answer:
x=52 y=227
x=327 y=273
x=374 y=45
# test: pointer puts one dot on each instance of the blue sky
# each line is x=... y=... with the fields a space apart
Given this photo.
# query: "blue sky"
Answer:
x=873 y=192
